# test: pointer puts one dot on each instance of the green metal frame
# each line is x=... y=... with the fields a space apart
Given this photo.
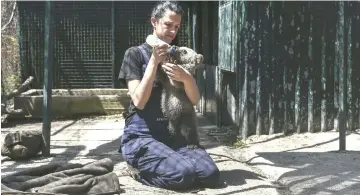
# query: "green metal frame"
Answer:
x=48 y=79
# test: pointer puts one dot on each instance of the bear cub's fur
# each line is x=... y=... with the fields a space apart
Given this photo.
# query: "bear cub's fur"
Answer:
x=174 y=102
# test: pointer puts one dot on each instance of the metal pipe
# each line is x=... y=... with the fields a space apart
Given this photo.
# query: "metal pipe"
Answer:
x=48 y=60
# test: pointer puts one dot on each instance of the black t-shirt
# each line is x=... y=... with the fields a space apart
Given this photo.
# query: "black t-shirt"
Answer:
x=133 y=67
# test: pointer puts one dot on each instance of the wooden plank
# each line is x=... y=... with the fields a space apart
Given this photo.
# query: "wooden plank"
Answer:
x=271 y=40
x=210 y=93
x=252 y=60
x=339 y=58
x=355 y=50
x=265 y=77
x=243 y=70
x=290 y=63
x=310 y=103
x=205 y=52
x=225 y=36
x=276 y=113
x=348 y=61
x=299 y=20
x=235 y=16
x=316 y=56
x=261 y=77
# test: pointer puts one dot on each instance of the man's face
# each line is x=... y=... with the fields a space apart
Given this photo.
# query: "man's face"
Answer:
x=167 y=27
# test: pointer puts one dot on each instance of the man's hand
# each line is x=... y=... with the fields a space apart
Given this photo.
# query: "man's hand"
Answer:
x=176 y=72
x=159 y=53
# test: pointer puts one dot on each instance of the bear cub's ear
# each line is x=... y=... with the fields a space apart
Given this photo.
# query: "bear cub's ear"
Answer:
x=183 y=51
x=199 y=59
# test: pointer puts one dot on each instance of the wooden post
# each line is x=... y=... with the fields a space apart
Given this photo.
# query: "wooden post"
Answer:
x=48 y=54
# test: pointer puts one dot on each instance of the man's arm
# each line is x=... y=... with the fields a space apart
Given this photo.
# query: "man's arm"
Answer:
x=140 y=91
x=178 y=73
x=192 y=90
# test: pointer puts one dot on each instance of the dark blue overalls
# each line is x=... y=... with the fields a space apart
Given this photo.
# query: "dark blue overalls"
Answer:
x=145 y=146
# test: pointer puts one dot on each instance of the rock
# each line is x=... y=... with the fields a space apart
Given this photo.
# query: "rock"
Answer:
x=22 y=145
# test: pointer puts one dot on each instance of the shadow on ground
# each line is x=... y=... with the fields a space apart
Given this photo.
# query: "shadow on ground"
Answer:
x=109 y=150
x=237 y=177
x=327 y=172
x=64 y=127
x=247 y=190
x=64 y=157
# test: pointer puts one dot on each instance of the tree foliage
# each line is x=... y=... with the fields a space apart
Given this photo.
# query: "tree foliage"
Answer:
x=10 y=74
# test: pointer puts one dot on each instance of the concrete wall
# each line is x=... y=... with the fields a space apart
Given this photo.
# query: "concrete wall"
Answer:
x=66 y=103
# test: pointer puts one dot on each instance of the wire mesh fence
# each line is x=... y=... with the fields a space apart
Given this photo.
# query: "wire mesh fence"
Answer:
x=90 y=40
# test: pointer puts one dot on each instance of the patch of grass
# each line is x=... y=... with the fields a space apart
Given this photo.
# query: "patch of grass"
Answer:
x=11 y=82
x=10 y=74
x=238 y=143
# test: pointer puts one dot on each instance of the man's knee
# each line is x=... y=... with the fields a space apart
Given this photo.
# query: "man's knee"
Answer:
x=183 y=176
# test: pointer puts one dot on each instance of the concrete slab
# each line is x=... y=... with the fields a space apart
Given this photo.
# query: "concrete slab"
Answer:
x=87 y=140
x=66 y=102
x=306 y=163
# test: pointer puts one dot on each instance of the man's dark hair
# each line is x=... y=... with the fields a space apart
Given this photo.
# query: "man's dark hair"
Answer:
x=160 y=9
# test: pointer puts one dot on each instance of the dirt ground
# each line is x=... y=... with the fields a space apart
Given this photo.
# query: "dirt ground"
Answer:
x=267 y=165
x=308 y=163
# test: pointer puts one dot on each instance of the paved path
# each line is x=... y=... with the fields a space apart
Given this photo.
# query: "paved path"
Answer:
x=87 y=140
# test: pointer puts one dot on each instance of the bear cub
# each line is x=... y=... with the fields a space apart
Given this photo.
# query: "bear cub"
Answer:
x=174 y=102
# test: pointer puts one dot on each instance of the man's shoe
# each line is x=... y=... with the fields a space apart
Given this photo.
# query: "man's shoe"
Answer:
x=134 y=173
